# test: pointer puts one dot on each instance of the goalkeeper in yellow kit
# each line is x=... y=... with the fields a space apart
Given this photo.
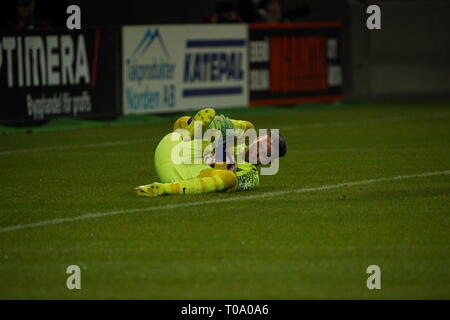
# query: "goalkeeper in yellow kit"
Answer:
x=204 y=173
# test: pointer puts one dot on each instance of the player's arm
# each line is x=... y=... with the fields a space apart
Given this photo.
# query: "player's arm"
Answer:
x=247 y=176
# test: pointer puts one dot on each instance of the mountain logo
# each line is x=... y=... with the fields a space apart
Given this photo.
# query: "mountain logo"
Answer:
x=150 y=59
x=146 y=41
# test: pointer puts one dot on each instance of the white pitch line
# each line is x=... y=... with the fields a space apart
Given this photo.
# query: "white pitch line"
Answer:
x=77 y=146
x=198 y=203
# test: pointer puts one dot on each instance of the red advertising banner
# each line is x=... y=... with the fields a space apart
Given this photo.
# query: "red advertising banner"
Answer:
x=294 y=63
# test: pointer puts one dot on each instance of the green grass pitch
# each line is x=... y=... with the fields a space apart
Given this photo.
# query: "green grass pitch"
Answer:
x=298 y=245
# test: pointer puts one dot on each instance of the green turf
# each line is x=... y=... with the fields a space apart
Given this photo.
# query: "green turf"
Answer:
x=301 y=245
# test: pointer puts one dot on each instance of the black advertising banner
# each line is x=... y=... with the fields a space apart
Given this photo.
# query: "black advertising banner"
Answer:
x=50 y=74
x=294 y=63
x=229 y=309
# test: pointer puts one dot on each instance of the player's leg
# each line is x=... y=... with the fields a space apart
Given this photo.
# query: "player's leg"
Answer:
x=205 y=116
x=242 y=124
x=209 y=180
x=181 y=123
x=187 y=166
x=165 y=169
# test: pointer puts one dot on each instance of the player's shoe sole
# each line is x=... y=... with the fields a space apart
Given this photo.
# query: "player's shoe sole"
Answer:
x=205 y=116
x=150 y=190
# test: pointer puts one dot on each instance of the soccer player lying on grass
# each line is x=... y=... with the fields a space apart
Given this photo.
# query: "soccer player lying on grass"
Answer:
x=203 y=173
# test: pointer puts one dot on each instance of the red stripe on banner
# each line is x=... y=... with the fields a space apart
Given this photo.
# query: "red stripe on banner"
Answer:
x=295 y=100
x=95 y=59
x=330 y=24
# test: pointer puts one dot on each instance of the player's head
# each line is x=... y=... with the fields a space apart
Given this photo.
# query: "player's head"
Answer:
x=261 y=148
x=282 y=145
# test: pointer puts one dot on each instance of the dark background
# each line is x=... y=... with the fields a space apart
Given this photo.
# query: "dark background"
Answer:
x=119 y=12
x=408 y=59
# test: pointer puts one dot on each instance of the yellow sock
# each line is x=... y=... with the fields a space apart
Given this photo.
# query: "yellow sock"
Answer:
x=209 y=180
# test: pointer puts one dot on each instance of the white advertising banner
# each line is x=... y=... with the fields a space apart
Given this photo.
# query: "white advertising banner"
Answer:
x=169 y=68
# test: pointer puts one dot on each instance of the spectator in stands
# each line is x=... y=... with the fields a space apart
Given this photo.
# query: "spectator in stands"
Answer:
x=225 y=13
x=26 y=18
x=270 y=11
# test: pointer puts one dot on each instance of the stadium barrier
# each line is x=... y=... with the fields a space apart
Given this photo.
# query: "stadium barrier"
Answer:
x=107 y=72
x=59 y=73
